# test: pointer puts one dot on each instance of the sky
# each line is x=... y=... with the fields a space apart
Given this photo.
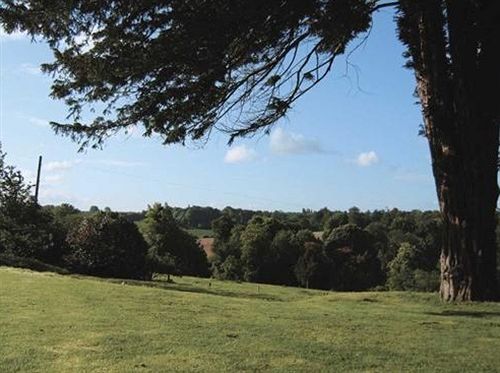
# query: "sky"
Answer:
x=351 y=141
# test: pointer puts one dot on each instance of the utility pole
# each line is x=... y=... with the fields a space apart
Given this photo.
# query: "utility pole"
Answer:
x=37 y=187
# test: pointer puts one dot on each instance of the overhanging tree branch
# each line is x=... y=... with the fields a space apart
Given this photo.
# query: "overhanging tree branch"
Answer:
x=385 y=5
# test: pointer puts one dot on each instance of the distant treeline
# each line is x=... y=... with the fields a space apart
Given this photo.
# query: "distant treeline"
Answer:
x=315 y=220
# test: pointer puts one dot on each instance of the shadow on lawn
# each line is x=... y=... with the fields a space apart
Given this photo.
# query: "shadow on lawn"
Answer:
x=475 y=314
x=212 y=290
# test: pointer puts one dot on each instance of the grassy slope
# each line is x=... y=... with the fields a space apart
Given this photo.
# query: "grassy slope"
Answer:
x=52 y=323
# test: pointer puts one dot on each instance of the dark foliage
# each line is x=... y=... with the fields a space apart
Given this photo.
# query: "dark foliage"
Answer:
x=107 y=245
x=10 y=260
x=26 y=230
x=186 y=67
x=171 y=249
x=313 y=267
x=355 y=265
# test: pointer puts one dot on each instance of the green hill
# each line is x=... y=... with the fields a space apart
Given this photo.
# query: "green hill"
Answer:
x=54 y=323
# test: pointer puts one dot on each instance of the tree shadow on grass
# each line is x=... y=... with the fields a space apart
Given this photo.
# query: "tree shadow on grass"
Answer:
x=475 y=314
x=219 y=292
x=159 y=284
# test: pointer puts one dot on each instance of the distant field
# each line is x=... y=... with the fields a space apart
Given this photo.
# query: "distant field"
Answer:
x=207 y=245
x=54 y=323
x=200 y=233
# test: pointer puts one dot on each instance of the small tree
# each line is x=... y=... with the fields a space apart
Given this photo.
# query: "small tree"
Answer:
x=171 y=249
x=401 y=268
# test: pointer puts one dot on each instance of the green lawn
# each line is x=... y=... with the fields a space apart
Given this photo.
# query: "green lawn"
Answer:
x=54 y=323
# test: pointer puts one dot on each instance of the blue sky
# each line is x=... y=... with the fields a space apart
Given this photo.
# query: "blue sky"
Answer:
x=352 y=141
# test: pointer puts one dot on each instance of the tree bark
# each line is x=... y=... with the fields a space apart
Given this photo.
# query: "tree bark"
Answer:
x=450 y=56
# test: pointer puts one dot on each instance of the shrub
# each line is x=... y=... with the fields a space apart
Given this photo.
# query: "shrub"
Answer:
x=107 y=245
x=401 y=268
x=404 y=273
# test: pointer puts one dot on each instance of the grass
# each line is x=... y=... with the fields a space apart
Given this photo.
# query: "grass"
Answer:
x=53 y=323
x=201 y=233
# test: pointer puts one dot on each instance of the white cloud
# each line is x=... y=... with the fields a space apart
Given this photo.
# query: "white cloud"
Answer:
x=52 y=179
x=31 y=69
x=367 y=159
x=48 y=175
x=240 y=153
x=283 y=143
x=40 y=122
x=59 y=166
x=16 y=35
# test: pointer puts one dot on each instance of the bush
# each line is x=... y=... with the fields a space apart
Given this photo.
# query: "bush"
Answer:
x=401 y=269
x=107 y=245
x=404 y=273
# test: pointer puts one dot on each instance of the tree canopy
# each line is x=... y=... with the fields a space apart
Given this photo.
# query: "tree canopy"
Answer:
x=183 y=68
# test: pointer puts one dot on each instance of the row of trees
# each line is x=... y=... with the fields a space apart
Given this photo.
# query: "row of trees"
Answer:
x=395 y=250
x=314 y=220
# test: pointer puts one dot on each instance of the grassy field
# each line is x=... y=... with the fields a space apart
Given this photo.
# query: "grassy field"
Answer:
x=54 y=323
x=200 y=233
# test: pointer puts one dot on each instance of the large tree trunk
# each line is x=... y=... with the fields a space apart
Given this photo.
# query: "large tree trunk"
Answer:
x=452 y=57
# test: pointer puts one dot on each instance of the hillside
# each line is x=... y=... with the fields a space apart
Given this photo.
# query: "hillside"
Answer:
x=54 y=323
